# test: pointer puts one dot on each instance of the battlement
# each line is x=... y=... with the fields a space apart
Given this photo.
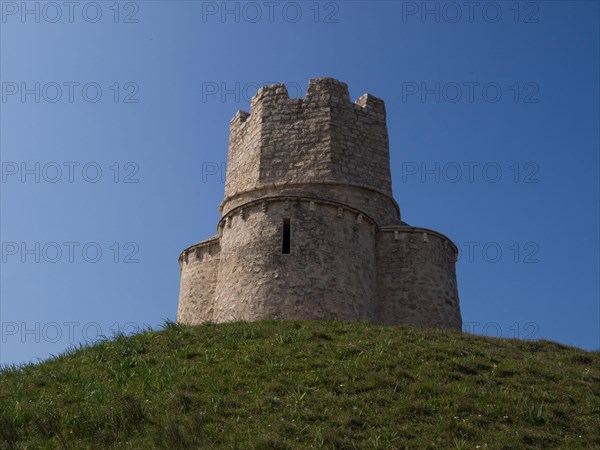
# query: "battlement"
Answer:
x=321 y=92
x=315 y=141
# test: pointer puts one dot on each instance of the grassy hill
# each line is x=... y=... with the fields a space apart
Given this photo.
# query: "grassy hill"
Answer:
x=297 y=385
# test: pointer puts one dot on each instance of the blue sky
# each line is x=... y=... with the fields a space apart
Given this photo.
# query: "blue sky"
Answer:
x=113 y=136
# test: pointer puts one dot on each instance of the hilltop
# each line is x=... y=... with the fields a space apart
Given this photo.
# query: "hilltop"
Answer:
x=296 y=385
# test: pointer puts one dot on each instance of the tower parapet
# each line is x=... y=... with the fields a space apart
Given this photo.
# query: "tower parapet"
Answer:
x=322 y=144
x=309 y=227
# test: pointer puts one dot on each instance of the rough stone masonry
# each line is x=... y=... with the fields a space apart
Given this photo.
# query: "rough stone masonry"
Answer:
x=309 y=226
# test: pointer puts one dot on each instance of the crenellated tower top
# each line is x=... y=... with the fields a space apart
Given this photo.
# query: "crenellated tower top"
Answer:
x=321 y=145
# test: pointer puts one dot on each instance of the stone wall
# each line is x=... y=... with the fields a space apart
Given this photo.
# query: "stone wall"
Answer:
x=312 y=144
x=199 y=266
x=416 y=278
x=321 y=162
x=381 y=208
x=330 y=272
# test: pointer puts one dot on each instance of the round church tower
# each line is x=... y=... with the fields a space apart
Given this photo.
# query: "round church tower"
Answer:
x=307 y=211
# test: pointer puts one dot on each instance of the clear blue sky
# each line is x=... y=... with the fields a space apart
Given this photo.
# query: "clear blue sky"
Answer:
x=508 y=96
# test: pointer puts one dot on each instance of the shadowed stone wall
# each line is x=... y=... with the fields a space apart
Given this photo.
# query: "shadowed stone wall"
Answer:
x=416 y=279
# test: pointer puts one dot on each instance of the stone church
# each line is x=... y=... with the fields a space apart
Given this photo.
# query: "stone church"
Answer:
x=309 y=226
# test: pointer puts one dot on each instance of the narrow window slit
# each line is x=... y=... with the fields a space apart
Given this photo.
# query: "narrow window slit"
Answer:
x=285 y=248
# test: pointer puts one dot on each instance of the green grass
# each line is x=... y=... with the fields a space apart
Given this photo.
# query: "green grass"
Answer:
x=298 y=385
